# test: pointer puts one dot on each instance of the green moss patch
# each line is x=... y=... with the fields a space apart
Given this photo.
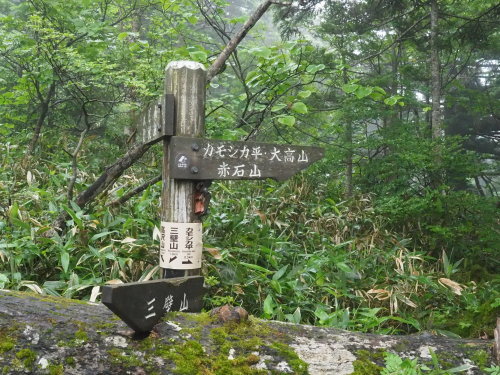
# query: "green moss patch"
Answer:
x=7 y=342
x=56 y=370
x=207 y=348
x=27 y=356
x=365 y=363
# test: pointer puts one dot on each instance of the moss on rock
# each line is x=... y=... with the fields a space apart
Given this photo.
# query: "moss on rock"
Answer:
x=27 y=356
x=366 y=362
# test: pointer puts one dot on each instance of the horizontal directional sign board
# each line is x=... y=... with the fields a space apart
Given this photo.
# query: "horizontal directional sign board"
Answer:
x=141 y=305
x=157 y=120
x=209 y=159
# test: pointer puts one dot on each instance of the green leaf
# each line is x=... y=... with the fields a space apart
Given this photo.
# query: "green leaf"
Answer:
x=73 y=215
x=65 y=261
x=299 y=107
x=122 y=36
x=410 y=321
x=344 y=267
x=392 y=100
x=242 y=19
x=216 y=102
x=276 y=286
x=315 y=68
x=297 y=316
x=379 y=90
x=262 y=52
x=278 y=107
x=461 y=368
x=304 y=94
x=14 y=212
x=350 y=88
x=269 y=306
x=4 y=280
x=376 y=96
x=199 y=56
x=321 y=314
x=102 y=234
x=363 y=91
x=278 y=274
x=287 y=120
x=256 y=267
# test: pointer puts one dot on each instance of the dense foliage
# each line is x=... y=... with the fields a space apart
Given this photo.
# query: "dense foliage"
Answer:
x=396 y=230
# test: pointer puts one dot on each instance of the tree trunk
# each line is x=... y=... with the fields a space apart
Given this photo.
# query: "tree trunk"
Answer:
x=348 y=160
x=437 y=131
x=348 y=187
x=49 y=335
x=44 y=110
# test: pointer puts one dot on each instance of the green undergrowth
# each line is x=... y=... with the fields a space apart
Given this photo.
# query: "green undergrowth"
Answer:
x=386 y=363
x=293 y=251
x=307 y=257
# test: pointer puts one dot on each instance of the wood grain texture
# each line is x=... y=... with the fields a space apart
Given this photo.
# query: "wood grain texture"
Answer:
x=186 y=80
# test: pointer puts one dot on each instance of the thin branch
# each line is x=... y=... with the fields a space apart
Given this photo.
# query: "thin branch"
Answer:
x=397 y=40
x=233 y=43
x=139 y=189
x=74 y=155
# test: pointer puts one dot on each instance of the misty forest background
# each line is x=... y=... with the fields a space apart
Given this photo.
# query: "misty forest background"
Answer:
x=396 y=230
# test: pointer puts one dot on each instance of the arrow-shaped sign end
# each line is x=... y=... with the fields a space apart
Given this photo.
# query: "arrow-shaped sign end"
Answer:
x=142 y=305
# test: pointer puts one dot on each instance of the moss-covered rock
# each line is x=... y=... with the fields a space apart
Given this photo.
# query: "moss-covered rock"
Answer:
x=47 y=335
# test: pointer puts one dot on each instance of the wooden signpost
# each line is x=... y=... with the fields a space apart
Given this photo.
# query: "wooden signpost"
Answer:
x=190 y=162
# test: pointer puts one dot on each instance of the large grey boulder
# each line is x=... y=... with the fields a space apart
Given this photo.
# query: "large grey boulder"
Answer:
x=48 y=335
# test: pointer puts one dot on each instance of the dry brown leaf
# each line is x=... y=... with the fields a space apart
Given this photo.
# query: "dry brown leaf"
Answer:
x=407 y=301
x=128 y=240
x=214 y=252
x=262 y=216
x=381 y=294
x=453 y=285
x=114 y=282
x=95 y=293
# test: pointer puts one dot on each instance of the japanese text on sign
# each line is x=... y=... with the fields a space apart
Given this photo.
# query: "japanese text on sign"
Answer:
x=211 y=159
x=250 y=158
x=180 y=245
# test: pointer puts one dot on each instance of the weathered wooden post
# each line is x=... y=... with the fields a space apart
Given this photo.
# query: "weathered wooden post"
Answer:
x=186 y=81
x=181 y=110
